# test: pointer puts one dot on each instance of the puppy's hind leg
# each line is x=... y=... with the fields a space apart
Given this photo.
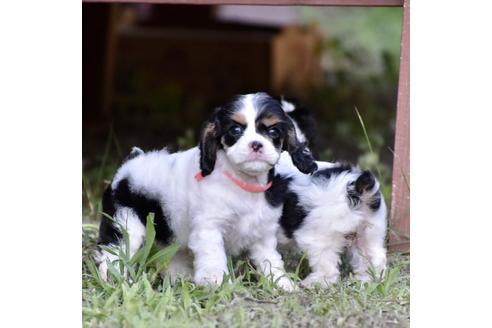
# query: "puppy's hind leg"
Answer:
x=110 y=235
x=324 y=259
x=368 y=251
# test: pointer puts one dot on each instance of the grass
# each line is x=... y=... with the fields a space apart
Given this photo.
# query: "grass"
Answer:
x=142 y=298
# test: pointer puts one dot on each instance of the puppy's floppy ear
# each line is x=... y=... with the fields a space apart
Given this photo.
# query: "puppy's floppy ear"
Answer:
x=299 y=152
x=209 y=144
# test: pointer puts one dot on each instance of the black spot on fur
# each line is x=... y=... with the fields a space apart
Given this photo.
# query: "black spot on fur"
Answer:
x=375 y=202
x=209 y=144
x=268 y=106
x=303 y=159
x=275 y=195
x=352 y=195
x=292 y=213
x=365 y=182
x=143 y=205
x=332 y=171
x=230 y=137
x=108 y=233
x=134 y=153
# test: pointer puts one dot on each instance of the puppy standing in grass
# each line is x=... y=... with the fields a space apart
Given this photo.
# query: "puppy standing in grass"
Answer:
x=321 y=211
x=213 y=199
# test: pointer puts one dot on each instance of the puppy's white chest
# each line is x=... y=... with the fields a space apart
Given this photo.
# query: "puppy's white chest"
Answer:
x=251 y=222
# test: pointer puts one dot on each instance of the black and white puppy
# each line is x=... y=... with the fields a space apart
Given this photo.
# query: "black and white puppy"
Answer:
x=338 y=207
x=322 y=211
x=213 y=199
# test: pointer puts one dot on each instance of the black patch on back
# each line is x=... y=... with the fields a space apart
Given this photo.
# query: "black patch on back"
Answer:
x=143 y=205
x=335 y=170
x=108 y=233
x=292 y=213
x=352 y=194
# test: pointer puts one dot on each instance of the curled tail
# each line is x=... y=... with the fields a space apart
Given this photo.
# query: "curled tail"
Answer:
x=365 y=190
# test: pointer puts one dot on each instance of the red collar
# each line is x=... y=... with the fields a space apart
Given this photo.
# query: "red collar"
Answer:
x=241 y=184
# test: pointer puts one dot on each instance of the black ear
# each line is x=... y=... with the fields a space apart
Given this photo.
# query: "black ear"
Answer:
x=209 y=144
x=299 y=152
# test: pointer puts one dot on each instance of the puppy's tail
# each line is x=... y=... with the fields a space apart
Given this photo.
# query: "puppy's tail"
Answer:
x=365 y=190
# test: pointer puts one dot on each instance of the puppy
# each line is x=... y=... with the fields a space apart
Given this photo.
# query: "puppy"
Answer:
x=339 y=207
x=213 y=199
x=321 y=212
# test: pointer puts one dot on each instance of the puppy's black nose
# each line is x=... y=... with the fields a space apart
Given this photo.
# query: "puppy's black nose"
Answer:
x=256 y=146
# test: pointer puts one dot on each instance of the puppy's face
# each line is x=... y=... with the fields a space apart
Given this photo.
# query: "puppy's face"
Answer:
x=252 y=130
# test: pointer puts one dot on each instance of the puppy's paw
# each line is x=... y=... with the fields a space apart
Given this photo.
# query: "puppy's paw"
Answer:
x=318 y=279
x=209 y=277
x=286 y=284
x=176 y=275
x=178 y=269
x=362 y=277
x=375 y=274
x=103 y=271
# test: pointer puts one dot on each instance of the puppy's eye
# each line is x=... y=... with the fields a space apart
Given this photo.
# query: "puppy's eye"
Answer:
x=274 y=133
x=236 y=130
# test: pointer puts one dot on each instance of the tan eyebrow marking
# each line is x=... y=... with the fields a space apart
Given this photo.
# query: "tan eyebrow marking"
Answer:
x=239 y=118
x=270 y=120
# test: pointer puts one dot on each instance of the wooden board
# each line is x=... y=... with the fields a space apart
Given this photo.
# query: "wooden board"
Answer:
x=400 y=206
x=369 y=3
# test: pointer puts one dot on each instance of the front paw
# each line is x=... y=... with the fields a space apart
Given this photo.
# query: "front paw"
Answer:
x=209 y=277
x=364 y=277
x=375 y=274
x=318 y=279
x=286 y=284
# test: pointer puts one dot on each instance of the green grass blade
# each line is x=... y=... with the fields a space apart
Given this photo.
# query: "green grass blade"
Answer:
x=149 y=242
x=366 y=135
